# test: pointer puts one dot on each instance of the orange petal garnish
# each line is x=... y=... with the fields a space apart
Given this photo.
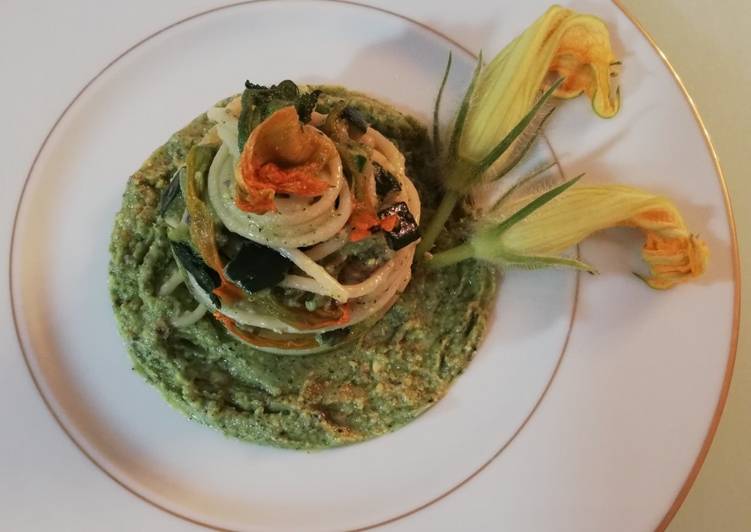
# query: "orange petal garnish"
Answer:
x=281 y=156
x=262 y=341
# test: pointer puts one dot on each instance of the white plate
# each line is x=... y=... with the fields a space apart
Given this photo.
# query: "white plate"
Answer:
x=644 y=369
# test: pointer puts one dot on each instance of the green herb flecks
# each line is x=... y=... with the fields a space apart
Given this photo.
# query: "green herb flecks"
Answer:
x=259 y=101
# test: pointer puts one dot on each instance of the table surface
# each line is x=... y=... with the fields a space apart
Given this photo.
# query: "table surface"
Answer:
x=703 y=41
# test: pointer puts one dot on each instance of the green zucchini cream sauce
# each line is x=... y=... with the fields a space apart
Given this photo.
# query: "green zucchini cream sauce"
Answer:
x=364 y=388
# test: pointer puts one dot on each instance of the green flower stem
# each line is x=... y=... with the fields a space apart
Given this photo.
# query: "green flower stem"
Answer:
x=437 y=222
x=451 y=256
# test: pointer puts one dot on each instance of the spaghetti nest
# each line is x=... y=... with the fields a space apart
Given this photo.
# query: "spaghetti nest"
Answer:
x=302 y=234
x=393 y=358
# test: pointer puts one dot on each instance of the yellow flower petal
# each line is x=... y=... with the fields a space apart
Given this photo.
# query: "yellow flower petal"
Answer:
x=561 y=43
x=673 y=254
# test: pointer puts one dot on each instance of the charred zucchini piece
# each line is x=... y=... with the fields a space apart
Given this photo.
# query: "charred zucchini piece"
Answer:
x=355 y=120
x=336 y=336
x=406 y=229
x=256 y=267
x=206 y=277
x=386 y=182
x=170 y=192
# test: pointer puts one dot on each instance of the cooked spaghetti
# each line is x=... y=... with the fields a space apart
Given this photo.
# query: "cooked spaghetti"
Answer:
x=302 y=233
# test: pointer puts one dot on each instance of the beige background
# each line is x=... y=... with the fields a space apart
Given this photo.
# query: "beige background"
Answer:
x=709 y=44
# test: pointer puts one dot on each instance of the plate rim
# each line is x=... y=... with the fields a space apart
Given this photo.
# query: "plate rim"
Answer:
x=733 y=347
x=735 y=259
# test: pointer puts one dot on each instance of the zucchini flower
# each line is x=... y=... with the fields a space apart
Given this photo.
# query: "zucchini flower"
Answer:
x=561 y=55
x=561 y=44
x=564 y=216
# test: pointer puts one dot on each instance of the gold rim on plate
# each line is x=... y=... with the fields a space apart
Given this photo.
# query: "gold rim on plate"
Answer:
x=693 y=473
x=722 y=399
